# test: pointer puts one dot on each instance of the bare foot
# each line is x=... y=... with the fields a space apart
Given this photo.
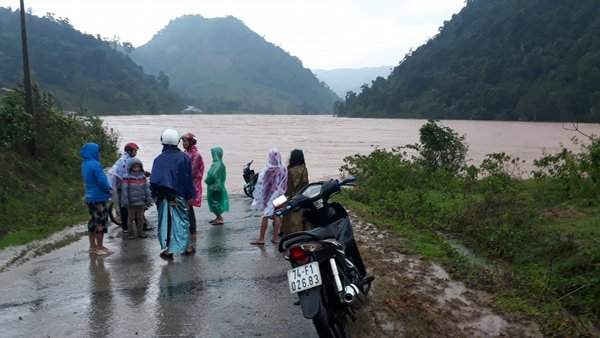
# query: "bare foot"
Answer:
x=101 y=252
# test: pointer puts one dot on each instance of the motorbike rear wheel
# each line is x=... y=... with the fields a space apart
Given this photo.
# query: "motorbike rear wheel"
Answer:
x=328 y=325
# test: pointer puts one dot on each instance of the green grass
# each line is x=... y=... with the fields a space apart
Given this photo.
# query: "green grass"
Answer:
x=38 y=202
x=520 y=287
x=528 y=285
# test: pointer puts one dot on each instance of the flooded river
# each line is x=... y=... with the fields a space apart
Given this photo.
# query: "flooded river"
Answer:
x=327 y=140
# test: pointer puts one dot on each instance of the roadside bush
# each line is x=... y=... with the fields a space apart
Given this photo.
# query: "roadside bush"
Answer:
x=543 y=230
x=40 y=166
x=569 y=175
x=441 y=148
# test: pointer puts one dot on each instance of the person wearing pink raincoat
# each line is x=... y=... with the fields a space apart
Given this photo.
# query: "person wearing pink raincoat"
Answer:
x=189 y=144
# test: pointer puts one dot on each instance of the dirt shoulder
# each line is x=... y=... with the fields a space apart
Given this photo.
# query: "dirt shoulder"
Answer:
x=412 y=297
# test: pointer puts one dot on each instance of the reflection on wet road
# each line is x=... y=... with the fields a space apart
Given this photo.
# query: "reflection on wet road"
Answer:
x=228 y=289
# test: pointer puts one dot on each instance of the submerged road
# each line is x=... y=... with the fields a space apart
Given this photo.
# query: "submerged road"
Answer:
x=228 y=289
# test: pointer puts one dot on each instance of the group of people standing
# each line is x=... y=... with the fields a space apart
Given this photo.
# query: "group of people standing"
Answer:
x=175 y=186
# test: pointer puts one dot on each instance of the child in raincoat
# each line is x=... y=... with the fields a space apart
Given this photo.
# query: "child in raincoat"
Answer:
x=136 y=197
x=117 y=173
x=271 y=184
x=216 y=193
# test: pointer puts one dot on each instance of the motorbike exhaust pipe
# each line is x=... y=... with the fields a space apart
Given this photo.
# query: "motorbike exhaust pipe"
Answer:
x=350 y=293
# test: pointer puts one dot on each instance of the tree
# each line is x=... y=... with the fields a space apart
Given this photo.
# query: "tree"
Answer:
x=512 y=59
x=128 y=47
x=163 y=80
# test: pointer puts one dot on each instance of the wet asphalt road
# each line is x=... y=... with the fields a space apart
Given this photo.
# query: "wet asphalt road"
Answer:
x=229 y=289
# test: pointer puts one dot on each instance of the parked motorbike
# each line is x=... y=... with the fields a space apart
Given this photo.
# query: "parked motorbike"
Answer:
x=250 y=179
x=327 y=274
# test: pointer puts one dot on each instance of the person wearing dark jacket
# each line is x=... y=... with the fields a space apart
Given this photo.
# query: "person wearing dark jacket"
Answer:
x=136 y=197
x=97 y=193
x=297 y=179
x=172 y=187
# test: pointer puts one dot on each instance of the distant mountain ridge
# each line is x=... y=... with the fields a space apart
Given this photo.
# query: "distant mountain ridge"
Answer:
x=81 y=71
x=343 y=80
x=535 y=60
x=219 y=64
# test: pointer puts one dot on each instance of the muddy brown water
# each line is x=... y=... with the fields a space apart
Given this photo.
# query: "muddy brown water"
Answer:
x=326 y=140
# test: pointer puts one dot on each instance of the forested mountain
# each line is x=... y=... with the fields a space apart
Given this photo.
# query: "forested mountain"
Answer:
x=222 y=65
x=497 y=59
x=81 y=71
x=343 y=80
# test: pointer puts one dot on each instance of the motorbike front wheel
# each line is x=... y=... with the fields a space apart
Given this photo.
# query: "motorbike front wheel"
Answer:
x=328 y=326
x=114 y=214
x=249 y=190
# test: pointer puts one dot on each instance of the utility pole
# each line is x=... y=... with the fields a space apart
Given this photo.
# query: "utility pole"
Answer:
x=26 y=70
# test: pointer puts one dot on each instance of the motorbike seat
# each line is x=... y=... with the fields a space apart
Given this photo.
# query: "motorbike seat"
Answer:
x=340 y=230
x=324 y=232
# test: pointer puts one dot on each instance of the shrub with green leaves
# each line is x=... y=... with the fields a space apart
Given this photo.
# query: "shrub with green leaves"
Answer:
x=40 y=165
x=441 y=148
x=542 y=231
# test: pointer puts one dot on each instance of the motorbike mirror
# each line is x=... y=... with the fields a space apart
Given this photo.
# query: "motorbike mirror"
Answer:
x=279 y=201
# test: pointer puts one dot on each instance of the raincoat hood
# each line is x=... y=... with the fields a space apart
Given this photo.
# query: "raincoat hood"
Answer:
x=272 y=182
x=217 y=154
x=90 y=151
x=96 y=185
x=134 y=161
x=274 y=159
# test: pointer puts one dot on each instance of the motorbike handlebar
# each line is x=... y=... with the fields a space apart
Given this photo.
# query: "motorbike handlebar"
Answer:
x=328 y=188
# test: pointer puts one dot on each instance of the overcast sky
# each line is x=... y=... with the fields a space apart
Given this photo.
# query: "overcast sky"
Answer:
x=322 y=33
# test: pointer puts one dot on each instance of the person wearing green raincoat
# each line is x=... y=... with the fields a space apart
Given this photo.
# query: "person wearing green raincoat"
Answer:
x=216 y=193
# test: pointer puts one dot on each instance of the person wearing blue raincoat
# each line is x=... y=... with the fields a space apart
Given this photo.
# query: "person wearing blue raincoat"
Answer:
x=172 y=186
x=97 y=194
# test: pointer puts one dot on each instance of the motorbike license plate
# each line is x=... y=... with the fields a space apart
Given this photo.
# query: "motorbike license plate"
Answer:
x=304 y=277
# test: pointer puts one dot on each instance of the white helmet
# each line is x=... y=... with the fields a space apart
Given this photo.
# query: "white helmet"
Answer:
x=170 y=136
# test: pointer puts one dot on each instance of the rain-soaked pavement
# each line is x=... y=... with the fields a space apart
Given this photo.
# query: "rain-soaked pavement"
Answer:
x=228 y=289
